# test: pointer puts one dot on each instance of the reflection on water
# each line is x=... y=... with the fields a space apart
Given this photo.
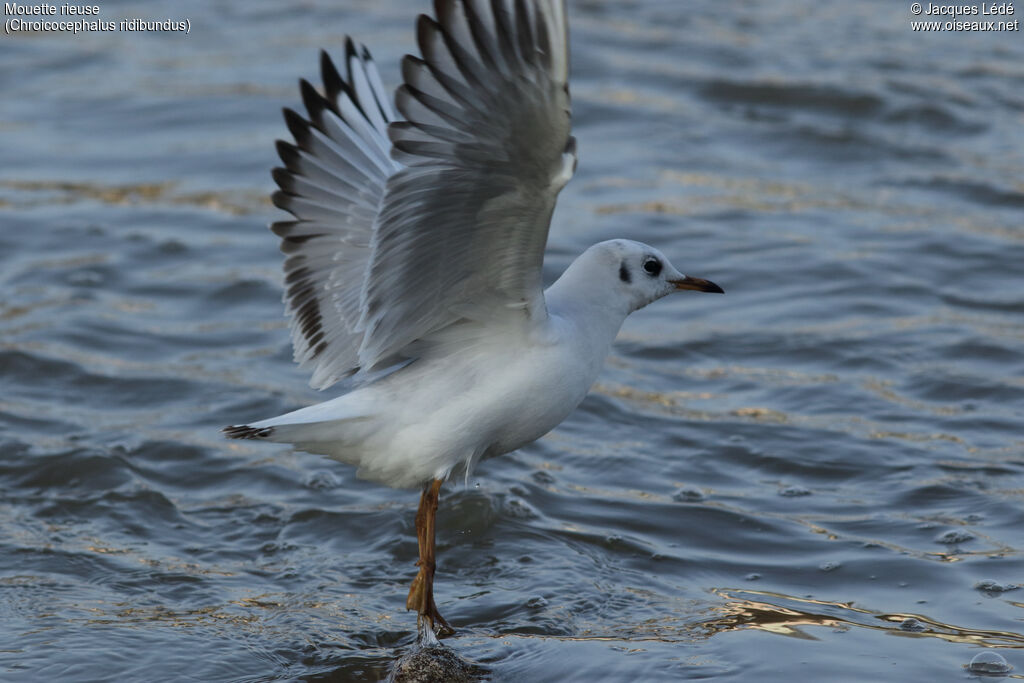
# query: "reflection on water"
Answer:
x=785 y=615
x=839 y=435
x=28 y=194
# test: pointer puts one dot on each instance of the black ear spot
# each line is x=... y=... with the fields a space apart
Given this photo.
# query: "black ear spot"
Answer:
x=624 y=273
x=652 y=267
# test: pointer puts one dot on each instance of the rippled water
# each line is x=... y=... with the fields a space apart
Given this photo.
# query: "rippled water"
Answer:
x=818 y=476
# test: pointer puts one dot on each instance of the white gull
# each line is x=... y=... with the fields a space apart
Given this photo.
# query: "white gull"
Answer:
x=414 y=258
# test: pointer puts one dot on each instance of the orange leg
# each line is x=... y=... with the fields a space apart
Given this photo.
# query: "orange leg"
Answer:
x=421 y=593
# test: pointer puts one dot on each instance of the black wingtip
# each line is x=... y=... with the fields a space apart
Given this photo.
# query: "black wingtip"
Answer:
x=283 y=229
x=246 y=432
x=426 y=28
x=312 y=100
x=442 y=8
x=289 y=154
x=333 y=84
x=292 y=240
x=297 y=125
x=411 y=65
x=350 y=53
x=283 y=201
x=284 y=179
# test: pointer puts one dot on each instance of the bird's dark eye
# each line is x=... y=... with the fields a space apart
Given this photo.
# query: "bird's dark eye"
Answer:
x=652 y=266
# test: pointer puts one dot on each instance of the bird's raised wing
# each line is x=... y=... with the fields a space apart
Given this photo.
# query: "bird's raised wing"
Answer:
x=332 y=182
x=486 y=148
x=403 y=228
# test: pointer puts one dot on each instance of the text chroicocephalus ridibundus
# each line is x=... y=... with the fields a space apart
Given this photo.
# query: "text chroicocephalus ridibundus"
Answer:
x=414 y=260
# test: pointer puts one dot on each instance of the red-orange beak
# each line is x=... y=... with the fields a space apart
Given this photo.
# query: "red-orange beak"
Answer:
x=697 y=284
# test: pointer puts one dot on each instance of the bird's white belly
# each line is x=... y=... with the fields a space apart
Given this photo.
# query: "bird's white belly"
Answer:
x=495 y=405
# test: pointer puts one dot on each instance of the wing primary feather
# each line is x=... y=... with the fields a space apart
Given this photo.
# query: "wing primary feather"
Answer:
x=423 y=75
x=303 y=164
x=287 y=230
x=437 y=47
x=288 y=153
x=350 y=53
x=298 y=127
x=458 y=23
x=360 y=84
x=543 y=34
x=379 y=256
x=283 y=178
x=468 y=63
x=483 y=39
x=314 y=103
x=333 y=85
x=354 y=154
x=283 y=201
x=314 y=142
x=501 y=35
x=380 y=95
x=448 y=112
x=291 y=242
x=332 y=180
x=524 y=32
x=351 y=56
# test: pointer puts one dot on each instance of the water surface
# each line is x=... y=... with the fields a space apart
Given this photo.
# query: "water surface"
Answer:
x=819 y=476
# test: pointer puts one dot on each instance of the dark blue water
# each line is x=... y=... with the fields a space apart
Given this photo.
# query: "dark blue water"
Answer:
x=819 y=476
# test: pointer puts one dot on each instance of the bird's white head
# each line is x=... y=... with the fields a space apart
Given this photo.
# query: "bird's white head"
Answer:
x=629 y=275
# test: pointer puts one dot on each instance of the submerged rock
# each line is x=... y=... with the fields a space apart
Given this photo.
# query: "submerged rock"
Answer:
x=435 y=664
